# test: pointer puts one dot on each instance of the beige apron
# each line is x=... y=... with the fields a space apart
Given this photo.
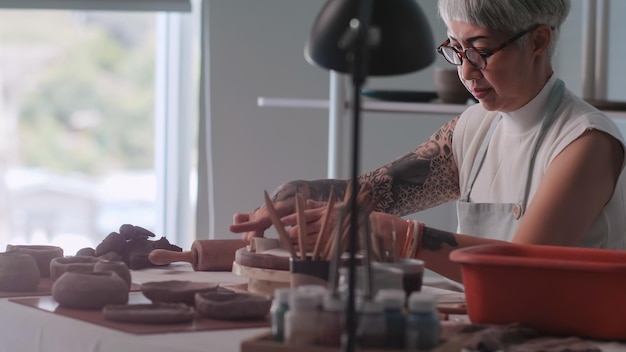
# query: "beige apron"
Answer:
x=501 y=220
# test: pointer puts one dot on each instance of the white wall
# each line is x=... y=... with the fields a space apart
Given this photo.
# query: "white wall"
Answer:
x=257 y=50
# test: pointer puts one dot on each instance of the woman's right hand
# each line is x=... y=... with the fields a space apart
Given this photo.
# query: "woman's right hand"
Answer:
x=254 y=223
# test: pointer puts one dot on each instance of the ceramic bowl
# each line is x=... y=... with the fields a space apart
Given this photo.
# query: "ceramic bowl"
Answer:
x=18 y=272
x=449 y=87
x=116 y=266
x=554 y=290
x=175 y=291
x=43 y=255
x=60 y=265
x=89 y=290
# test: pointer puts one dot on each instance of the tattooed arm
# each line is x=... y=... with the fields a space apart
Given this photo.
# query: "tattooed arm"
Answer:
x=422 y=179
x=436 y=244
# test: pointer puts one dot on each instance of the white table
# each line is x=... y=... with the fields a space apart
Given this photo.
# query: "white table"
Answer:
x=26 y=329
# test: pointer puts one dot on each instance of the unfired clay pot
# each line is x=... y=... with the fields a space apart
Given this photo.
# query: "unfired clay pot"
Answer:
x=58 y=266
x=18 y=272
x=89 y=290
x=43 y=255
x=116 y=266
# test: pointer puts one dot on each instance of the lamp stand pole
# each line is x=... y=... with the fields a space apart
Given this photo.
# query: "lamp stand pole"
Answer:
x=357 y=41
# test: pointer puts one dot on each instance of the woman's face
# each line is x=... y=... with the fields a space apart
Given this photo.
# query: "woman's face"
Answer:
x=509 y=80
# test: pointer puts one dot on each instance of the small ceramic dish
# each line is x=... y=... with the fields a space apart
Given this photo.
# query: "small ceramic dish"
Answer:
x=18 y=272
x=60 y=265
x=151 y=313
x=175 y=291
x=229 y=305
x=89 y=290
x=43 y=255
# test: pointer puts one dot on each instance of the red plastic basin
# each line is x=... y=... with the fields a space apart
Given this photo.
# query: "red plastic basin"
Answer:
x=555 y=290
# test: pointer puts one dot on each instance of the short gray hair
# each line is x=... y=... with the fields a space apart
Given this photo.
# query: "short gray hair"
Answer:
x=509 y=16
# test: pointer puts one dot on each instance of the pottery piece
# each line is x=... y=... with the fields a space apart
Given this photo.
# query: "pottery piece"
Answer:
x=449 y=87
x=152 y=313
x=89 y=290
x=43 y=255
x=60 y=265
x=229 y=305
x=18 y=272
x=116 y=266
x=175 y=291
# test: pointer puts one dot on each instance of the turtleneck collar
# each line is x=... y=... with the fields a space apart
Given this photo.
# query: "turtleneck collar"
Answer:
x=529 y=115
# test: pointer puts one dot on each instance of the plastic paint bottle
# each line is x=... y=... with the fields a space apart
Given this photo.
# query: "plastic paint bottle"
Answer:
x=280 y=306
x=422 y=324
x=393 y=301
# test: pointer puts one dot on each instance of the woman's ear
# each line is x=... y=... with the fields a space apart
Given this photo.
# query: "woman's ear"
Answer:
x=541 y=39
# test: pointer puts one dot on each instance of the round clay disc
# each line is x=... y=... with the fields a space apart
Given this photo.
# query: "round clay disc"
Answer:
x=155 y=313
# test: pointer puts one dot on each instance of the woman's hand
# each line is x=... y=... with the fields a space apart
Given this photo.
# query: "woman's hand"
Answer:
x=314 y=219
x=254 y=223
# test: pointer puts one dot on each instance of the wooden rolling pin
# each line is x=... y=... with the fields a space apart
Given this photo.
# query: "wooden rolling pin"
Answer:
x=205 y=255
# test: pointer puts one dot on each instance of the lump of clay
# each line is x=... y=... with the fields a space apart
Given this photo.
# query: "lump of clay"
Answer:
x=229 y=305
x=132 y=246
x=175 y=291
x=132 y=232
x=86 y=252
x=114 y=242
x=18 y=272
x=43 y=254
x=58 y=266
x=155 y=313
x=89 y=291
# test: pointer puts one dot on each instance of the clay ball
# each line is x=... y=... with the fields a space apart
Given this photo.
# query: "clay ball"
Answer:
x=89 y=291
x=18 y=272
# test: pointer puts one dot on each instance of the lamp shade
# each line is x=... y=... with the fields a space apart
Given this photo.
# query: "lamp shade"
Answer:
x=405 y=45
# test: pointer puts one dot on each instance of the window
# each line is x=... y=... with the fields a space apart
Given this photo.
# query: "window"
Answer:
x=86 y=116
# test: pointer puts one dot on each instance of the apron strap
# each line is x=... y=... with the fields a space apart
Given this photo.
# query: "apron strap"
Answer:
x=480 y=157
x=556 y=94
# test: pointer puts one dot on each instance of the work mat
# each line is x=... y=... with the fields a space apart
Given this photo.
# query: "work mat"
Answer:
x=45 y=289
x=199 y=323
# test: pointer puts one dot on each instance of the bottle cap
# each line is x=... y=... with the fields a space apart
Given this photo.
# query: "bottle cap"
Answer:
x=303 y=301
x=281 y=295
x=422 y=302
x=391 y=297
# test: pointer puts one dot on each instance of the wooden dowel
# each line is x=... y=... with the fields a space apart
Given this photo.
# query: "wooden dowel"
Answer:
x=325 y=220
x=301 y=220
x=283 y=236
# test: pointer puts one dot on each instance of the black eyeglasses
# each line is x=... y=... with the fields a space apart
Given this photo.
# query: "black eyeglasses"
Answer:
x=476 y=57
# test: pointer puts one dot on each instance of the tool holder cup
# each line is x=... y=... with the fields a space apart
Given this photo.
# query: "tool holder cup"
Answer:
x=308 y=272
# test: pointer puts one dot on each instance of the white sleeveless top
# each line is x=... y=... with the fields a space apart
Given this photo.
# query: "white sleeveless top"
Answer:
x=503 y=170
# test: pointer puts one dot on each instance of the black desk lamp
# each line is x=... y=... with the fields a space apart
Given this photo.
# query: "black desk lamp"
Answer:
x=367 y=38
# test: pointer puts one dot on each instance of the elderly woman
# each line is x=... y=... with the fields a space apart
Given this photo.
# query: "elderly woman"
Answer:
x=532 y=163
